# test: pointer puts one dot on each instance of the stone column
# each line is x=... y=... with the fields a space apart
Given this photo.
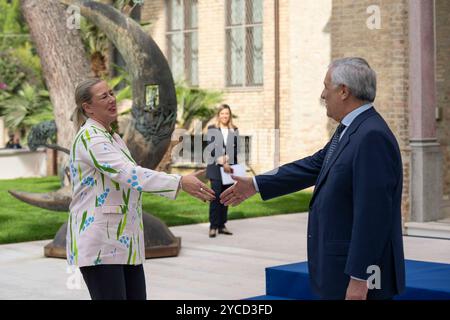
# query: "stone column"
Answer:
x=426 y=154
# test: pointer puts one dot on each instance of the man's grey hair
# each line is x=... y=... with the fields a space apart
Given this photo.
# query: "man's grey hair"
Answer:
x=357 y=75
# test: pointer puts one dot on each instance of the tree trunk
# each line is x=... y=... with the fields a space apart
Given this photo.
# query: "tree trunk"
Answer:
x=63 y=59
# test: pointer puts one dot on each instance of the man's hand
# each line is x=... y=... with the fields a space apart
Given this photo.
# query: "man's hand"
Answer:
x=192 y=185
x=356 y=290
x=242 y=189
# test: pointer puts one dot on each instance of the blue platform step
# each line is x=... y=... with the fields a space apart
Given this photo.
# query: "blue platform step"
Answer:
x=424 y=281
x=267 y=297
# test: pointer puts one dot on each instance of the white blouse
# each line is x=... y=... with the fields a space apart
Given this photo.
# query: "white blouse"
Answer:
x=105 y=221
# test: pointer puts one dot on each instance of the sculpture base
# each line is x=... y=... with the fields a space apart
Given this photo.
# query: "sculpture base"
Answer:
x=52 y=250
x=159 y=240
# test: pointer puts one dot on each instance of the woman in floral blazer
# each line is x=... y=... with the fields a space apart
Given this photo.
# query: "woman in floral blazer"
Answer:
x=105 y=230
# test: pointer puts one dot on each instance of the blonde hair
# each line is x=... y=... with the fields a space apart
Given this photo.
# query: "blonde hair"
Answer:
x=83 y=94
x=230 y=122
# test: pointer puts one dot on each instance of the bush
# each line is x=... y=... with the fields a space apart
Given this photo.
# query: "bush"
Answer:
x=11 y=73
x=12 y=27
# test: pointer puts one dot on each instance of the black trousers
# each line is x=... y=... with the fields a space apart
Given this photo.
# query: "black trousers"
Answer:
x=217 y=211
x=115 y=282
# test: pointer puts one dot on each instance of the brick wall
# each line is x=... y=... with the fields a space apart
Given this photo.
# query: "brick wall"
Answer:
x=386 y=50
x=155 y=12
x=304 y=120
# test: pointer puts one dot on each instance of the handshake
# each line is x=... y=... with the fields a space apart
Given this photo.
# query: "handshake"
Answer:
x=241 y=190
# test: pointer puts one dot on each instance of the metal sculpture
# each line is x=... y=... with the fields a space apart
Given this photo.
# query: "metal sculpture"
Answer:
x=147 y=134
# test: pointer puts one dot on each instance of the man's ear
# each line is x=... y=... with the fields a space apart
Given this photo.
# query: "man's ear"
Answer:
x=345 y=92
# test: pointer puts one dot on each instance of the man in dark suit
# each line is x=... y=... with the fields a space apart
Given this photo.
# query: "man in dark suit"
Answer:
x=355 y=247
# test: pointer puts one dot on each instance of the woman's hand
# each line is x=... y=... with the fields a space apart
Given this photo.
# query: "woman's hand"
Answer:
x=192 y=185
x=222 y=160
x=227 y=168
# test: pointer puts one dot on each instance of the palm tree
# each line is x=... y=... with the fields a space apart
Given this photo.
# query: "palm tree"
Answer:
x=195 y=103
x=96 y=42
x=122 y=78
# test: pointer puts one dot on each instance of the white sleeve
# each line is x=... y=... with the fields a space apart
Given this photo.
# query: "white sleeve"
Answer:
x=98 y=150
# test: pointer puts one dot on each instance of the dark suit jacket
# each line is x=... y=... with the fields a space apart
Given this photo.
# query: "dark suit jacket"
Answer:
x=355 y=212
x=218 y=147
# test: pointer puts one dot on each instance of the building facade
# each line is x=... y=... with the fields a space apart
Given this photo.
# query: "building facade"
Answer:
x=270 y=57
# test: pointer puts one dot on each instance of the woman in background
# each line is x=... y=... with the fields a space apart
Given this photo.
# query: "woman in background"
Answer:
x=225 y=136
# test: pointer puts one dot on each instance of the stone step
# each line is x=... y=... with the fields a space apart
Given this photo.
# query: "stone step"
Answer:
x=433 y=229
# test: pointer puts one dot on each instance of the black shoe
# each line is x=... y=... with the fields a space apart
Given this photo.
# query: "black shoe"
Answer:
x=224 y=230
x=212 y=233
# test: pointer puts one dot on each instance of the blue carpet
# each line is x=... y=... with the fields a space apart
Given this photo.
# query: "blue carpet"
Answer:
x=267 y=297
x=424 y=281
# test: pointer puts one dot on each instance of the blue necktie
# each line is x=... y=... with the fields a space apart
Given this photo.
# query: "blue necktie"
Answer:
x=333 y=144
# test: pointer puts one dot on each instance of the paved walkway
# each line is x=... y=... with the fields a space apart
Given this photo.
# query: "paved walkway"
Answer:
x=226 y=267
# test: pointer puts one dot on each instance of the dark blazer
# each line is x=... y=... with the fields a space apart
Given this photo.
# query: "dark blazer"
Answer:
x=355 y=212
x=218 y=147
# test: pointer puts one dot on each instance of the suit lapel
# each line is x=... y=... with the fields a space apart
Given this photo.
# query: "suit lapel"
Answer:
x=230 y=138
x=341 y=146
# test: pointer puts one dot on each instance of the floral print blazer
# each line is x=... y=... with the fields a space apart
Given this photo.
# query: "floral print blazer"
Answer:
x=105 y=222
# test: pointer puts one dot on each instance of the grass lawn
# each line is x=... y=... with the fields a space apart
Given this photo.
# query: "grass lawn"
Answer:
x=22 y=222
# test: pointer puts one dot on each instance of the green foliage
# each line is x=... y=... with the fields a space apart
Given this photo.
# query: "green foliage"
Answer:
x=12 y=27
x=93 y=38
x=122 y=79
x=29 y=62
x=20 y=64
x=196 y=103
x=14 y=46
x=28 y=107
x=23 y=100
x=11 y=73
